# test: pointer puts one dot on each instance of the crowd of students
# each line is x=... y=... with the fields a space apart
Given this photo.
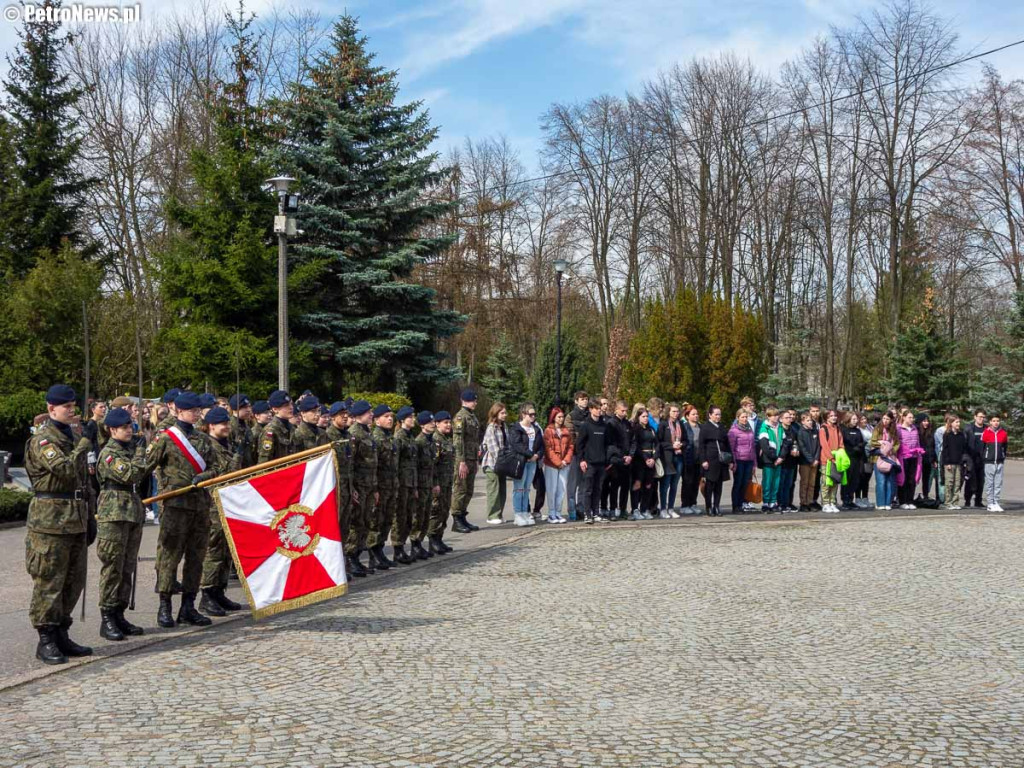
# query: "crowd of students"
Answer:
x=604 y=461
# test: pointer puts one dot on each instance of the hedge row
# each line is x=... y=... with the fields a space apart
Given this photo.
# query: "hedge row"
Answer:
x=13 y=505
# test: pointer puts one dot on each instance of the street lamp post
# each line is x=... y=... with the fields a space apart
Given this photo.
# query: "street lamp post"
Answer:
x=282 y=223
x=560 y=266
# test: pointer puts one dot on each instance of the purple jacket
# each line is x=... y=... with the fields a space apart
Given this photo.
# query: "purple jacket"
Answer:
x=743 y=444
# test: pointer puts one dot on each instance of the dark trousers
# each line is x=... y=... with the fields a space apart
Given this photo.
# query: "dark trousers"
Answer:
x=854 y=477
x=787 y=479
x=615 y=494
x=740 y=481
x=926 y=477
x=590 y=489
x=690 y=485
x=644 y=498
x=975 y=485
x=905 y=492
x=865 y=481
x=713 y=493
x=540 y=486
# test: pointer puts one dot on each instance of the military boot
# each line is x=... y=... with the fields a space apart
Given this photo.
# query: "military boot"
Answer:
x=355 y=568
x=383 y=558
x=109 y=629
x=465 y=522
x=224 y=601
x=127 y=628
x=440 y=543
x=400 y=556
x=434 y=545
x=165 y=616
x=370 y=570
x=47 y=651
x=210 y=605
x=377 y=562
x=68 y=646
x=418 y=551
x=188 y=614
x=460 y=525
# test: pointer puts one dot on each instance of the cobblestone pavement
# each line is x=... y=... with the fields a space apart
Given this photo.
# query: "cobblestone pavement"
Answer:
x=871 y=642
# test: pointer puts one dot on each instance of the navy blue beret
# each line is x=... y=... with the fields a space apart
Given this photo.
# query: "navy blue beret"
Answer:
x=278 y=398
x=217 y=415
x=260 y=406
x=405 y=412
x=468 y=396
x=442 y=416
x=424 y=417
x=358 y=408
x=171 y=394
x=380 y=410
x=117 y=417
x=308 y=403
x=186 y=401
x=337 y=407
x=238 y=401
x=206 y=400
x=59 y=394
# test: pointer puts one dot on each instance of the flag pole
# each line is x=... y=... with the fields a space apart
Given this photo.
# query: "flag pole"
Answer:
x=295 y=457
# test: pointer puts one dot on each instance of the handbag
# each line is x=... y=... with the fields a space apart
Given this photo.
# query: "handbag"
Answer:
x=659 y=469
x=885 y=464
x=509 y=463
x=753 y=493
x=724 y=457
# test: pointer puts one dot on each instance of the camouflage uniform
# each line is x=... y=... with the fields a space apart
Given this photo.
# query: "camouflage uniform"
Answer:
x=275 y=440
x=307 y=436
x=364 y=483
x=167 y=422
x=185 y=520
x=243 y=442
x=443 y=478
x=466 y=446
x=343 y=452
x=425 y=466
x=406 y=506
x=387 y=481
x=121 y=469
x=217 y=564
x=55 y=542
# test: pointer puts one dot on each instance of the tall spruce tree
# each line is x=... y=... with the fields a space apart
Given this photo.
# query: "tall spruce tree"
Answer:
x=364 y=166
x=43 y=207
x=504 y=379
x=218 y=273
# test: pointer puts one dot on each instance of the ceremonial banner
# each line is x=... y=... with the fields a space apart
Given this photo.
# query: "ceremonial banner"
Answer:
x=282 y=527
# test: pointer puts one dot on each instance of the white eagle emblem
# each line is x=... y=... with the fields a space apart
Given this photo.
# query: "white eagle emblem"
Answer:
x=295 y=532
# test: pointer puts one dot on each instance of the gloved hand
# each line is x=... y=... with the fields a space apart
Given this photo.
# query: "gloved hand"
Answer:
x=91 y=531
x=90 y=458
x=196 y=480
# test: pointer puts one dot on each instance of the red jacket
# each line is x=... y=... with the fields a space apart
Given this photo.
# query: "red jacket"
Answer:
x=557 y=449
x=994 y=444
x=831 y=438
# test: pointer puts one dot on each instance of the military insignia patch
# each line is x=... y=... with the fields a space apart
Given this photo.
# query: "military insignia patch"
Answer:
x=149 y=448
x=50 y=453
x=268 y=444
x=109 y=459
x=43 y=442
x=120 y=466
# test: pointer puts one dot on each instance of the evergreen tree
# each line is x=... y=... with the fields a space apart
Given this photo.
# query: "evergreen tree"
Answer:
x=42 y=208
x=1000 y=389
x=363 y=163
x=219 y=271
x=503 y=378
x=579 y=369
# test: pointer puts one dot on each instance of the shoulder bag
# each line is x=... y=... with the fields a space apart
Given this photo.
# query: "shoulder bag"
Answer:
x=508 y=463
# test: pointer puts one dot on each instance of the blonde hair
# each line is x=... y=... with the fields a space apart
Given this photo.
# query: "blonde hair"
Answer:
x=638 y=408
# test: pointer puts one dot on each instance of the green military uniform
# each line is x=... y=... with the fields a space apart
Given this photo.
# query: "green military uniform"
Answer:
x=306 y=436
x=443 y=478
x=364 y=483
x=119 y=517
x=185 y=520
x=217 y=563
x=275 y=440
x=343 y=452
x=426 y=462
x=58 y=517
x=257 y=435
x=242 y=442
x=387 y=481
x=167 y=422
x=406 y=504
x=466 y=446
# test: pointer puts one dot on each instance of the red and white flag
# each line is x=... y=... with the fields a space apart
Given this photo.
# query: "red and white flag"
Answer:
x=283 y=531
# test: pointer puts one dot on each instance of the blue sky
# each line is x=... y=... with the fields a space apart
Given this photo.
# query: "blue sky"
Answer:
x=492 y=67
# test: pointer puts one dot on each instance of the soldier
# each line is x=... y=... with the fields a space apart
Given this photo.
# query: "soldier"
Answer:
x=59 y=528
x=443 y=480
x=338 y=435
x=427 y=489
x=276 y=438
x=466 y=444
x=364 y=480
x=183 y=457
x=119 y=519
x=241 y=434
x=325 y=418
x=172 y=414
x=206 y=402
x=405 y=506
x=387 y=483
x=308 y=435
x=262 y=415
x=227 y=457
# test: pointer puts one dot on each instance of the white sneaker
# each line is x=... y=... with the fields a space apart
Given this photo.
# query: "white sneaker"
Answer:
x=150 y=517
x=530 y=519
x=991 y=507
x=552 y=519
x=998 y=508
x=645 y=515
x=495 y=521
x=523 y=521
x=664 y=515
x=636 y=515
x=673 y=514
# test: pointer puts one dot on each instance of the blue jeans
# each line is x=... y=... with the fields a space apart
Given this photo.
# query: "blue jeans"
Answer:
x=740 y=481
x=885 y=488
x=554 y=480
x=670 y=483
x=521 y=489
x=786 y=477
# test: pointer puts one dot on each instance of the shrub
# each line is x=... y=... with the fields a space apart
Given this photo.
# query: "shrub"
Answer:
x=16 y=413
x=13 y=505
x=392 y=399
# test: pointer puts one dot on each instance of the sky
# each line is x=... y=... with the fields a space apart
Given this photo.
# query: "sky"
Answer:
x=489 y=68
